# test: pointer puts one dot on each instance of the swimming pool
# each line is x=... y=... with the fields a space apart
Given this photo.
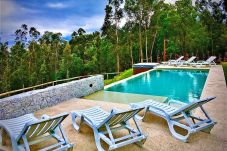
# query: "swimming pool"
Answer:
x=183 y=85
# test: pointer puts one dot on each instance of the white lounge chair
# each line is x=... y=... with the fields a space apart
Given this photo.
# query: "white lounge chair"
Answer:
x=188 y=62
x=175 y=62
x=103 y=122
x=27 y=130
x=209 y=62
x=174 y=116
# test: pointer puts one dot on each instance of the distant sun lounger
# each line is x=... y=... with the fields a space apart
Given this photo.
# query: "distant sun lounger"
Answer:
x=174 y=115
x=209 y=62
x=103 y=123
x=188 y=62
x=27 y=130
x=174 y=62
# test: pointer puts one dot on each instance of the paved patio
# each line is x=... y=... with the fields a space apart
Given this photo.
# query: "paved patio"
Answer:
x=159 y=137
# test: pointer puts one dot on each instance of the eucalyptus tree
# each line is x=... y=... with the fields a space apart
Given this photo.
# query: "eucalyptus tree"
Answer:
x=134 y=11
x=107 y=25
x=21 y=35
x=81 y=31
x=187 y=18
x=117 y=16
x=4 y=67
x=34 y=35
x=212 y=14
x=129 y=28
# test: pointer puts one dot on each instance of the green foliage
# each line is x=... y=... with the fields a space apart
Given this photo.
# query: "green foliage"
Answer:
x=198 y=30
x=224 y=65
x=121 y=76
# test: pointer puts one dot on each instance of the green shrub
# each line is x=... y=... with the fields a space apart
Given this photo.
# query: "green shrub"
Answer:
x=123 y=75
x=224 y=65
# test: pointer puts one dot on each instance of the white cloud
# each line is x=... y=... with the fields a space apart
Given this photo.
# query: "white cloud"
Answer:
x=10 y=8
x=7 y=8
x=68 y=25
x=57 y=5
x=63 y=25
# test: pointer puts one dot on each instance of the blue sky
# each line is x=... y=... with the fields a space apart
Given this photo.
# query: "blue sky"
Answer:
x=63 y=16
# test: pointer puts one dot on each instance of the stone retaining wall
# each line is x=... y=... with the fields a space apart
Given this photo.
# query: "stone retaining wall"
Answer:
x=32 y=101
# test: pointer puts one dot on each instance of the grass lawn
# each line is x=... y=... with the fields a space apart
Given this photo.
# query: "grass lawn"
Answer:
x=224 y=65
x=123 y=75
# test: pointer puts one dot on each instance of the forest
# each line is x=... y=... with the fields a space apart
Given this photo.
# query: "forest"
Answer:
x=184 y=28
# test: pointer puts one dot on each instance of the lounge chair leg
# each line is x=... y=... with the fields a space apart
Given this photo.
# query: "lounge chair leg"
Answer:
x=97 y=140
x=75 y=125
x=70 y=148
x=2 y=136
x=142 y=117
x=178 y=136
x=15 y=145
x=208 y=129
x=140 y=143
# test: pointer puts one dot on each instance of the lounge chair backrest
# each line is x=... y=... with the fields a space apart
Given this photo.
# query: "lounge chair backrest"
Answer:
x=192 y=106
x=180 y=58
x=116 y=118
x=38 y=128
x=212 y=58
x=191 y=59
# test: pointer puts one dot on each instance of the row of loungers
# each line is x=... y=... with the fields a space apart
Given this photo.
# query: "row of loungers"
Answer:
x=28 y=130
x=191 y=62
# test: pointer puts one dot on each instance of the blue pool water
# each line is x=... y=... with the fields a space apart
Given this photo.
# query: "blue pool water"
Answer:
x=183 y=85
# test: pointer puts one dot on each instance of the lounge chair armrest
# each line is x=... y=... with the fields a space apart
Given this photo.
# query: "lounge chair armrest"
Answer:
x=161 y=110
x=45 y=117
x=176 y=102
x=136 y=105
x=116 y=110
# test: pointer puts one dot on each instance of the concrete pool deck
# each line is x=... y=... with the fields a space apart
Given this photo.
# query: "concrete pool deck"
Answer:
x=159 y=137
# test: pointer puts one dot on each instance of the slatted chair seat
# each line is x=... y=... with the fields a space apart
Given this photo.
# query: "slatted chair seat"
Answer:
x=27 y=130
x=16 y=125
x=103 y=122
x=167 y=108
x=96 y=114
x=174 y=115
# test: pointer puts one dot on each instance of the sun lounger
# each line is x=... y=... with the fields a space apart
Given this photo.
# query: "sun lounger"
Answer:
x=188 y=62
x=174 y=62
x=208 y=62
x=103 y=123
x=174 y=116
x=27 y=130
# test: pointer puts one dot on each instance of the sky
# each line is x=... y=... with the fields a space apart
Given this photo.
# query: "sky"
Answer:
x=63 y=16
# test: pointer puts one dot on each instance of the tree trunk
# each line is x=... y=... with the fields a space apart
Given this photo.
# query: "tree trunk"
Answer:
x=212 y=43
x=140 y=43
x=153 y=44
x=130 y=47
x=164 y=50
x=146 y=43
x=55 y=64
x=117 y=51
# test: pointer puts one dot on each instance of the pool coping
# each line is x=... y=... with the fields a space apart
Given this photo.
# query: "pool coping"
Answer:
x=123 y=80
x=163 y=67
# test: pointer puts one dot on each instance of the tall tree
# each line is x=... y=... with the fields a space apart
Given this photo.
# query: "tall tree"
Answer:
x=117 y=15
